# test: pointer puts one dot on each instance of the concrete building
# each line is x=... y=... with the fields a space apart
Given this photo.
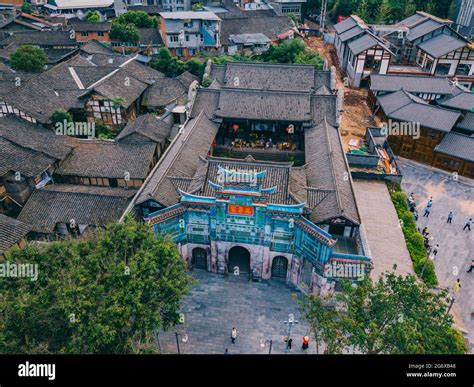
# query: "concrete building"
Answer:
x=187 y=33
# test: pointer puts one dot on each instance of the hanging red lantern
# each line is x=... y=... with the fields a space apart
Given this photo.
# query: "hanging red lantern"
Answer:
x=235 y=127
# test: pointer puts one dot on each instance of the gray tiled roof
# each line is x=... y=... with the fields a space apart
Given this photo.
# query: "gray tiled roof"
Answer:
x=468 y=122
x=410 y=83
x=403 y=106
x=85 y=26
x=441 y=45
x=96 y=47
x=12 y=231
x=278 y=106
x=330 y=193
x=461 y=101
x=34 y=137
x=148 y=127
x=109 y=159
x=271 y=26
x=345 y=25
x=181 y=159
x=163 y=92
x=422 y=29
x=266 y=76
x=41 y=38
x=363 y=43
x=457 y=145
x=277 y=175
x=352 y=33
x=324 y=107
x=412 y=20
x=207 y=100
x=14 y=158
x=150 y=36
x=60 y=203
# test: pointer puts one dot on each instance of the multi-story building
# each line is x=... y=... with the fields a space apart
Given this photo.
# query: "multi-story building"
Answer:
x=361 y=53
x=187 y=33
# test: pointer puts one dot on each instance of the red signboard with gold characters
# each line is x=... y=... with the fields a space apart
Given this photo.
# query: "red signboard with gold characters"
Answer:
x=240 y=210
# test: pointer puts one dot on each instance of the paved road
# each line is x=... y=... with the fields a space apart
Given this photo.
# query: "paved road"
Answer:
x=257 y=310
x=384 y=234
x=456 y=245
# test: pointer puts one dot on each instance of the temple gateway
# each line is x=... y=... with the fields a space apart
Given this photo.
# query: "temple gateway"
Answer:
x=256 y=182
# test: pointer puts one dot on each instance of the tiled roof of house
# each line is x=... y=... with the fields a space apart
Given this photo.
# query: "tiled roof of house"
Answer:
x=148 y=127
x=85 y=26
x=422 y=29
x=410 y=83
x=34 y=137
x=265 y=76
x=150 y=36
x=468 y=122
x=41 y=38
x=364 y=42
x=163 y=92
x=207 y=101
x=181 y=160
x=12 y=231
x=330 y=193
x=277 y=175
x=264 y=105
x=96 y=47
x=108 y=159
x=14 y=158
x=345 y=25
x=86 y=205
x=462 y=100
x=457 y=145
x=403 y=106
x=271 y=26
x=441 y=45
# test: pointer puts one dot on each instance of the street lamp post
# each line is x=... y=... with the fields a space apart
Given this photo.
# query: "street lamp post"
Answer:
x=177 y=342
x=291 y=322
x=263 y=342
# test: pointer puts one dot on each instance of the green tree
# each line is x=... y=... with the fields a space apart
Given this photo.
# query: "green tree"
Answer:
x=60 y=115
x=197 y=7
x=26 y=8
x=124 y=32
x=105 y=294
x=139 y=19
x=429 y=7
x=362 y=10
x=382 y=15
x=28 y=58
x=395 y=315
x=93 y=16
x=167 y=63
x=410 y=8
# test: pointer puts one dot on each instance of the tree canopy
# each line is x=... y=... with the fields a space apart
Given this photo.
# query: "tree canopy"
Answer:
x=28 y=58
x=395 y=315
x=104 y=294
x=172 y=66
x=93 y=16
x=125 y=27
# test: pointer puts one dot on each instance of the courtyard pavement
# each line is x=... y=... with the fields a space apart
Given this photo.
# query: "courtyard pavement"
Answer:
x=257 y=309
x=456 y=245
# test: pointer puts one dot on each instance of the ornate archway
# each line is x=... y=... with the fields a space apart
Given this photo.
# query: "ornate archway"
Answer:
x=199 y=258
x=239 y=257
x=279 y=267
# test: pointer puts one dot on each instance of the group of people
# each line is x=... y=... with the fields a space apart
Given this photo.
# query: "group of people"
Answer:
x=288 y=340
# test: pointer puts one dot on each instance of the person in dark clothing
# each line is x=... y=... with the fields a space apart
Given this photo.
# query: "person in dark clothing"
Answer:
x=471 y=267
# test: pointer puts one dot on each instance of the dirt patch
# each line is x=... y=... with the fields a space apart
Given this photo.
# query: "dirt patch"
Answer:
x=356 y=115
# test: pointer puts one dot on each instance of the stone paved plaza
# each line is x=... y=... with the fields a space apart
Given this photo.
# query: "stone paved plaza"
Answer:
x=456 y=245
x=256 y=309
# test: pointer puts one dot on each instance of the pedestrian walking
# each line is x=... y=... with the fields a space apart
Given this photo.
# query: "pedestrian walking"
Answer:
x=233 y=335
x=450 y=217
x=290 y=344
x=427 y=212
x=435 y=250
x=305 y=345
x=471 y=267
x=457 y=286
x=226 y=352
x=424 y=231
x=415 y=215
x=468 y=224
x=430 y=202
